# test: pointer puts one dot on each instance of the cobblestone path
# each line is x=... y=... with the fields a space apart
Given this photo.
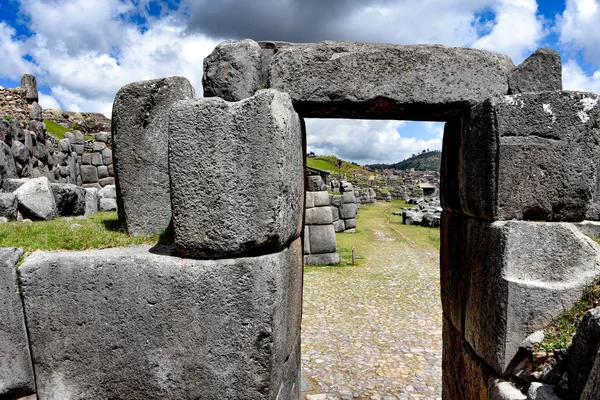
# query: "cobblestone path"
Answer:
x=373 y=331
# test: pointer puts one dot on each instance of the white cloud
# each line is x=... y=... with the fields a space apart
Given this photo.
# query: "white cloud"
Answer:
x=574 y=78
x=517 y=31
x=48 y=101
x=578 y=26
x=13 y=64
x=367 y=141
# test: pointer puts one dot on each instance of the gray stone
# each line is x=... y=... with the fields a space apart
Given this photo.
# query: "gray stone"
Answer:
x=20 y=152
x=97 y=159
x=540 y=72
x=348 y=197
x=69 y=198
x=92 y=201
x=89 y=174
x=111 y=170
x=92 y=186
x=541 y=391
x=223 y=210
x=321 y=199
x=335 y=213
x=233 y=71
x=306 y=240
x=336 y=200
x=339 y=225
x=78 y=138
x=35 y=111
x=102 y=137
x=348 y=211
x=107 y=156
x=419 y=81
x=108 y=181
x=108 y=192
x=583 y=351
x=86 y=159
x=98 y=147
x=350 y=223
x=529 y=156
x=102 y=171
x=8 y=169
x=79 y=149
x=309 y=200
x=322 y=259
x=39 y=128
x=500 y=389
x=140 y=151
x=314 y=183
x=36 y=200
x=322 y=239
x=16 y=372
x=592 y=387
x=107 y=204
x=10 y=185
x=522 y=275
x=29 y=86
x=8 y=205
x=318 y=216
x=147 y=325
x=64 y=145
x=60 y=158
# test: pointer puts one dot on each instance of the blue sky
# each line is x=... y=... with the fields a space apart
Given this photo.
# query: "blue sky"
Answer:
x=83 y=51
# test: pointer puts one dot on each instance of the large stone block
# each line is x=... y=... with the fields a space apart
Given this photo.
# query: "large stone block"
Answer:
x=69 y=198
x=89 y=173
x=16 y=372
x=36 y=200
x=522 y=275
x=140 y=151
x=321 y=198
x=344 y=79
x=8 y=168
x=532 y=156
x=322 y=239
x=8 y=205
x=29 y=86
x=236 y=174
x=583 y=352
x=318 y=216
x=540 y=72
x=348 y=211
x=233 y=71
x=322 y=259
x=92 y=201
x=144 y=324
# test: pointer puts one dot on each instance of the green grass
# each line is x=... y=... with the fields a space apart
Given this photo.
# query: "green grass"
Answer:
x=559 y=333
x=58 y=131
x=98 y=231
x=334 y=164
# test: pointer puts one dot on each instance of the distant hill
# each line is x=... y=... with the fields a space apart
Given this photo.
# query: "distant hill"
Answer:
x=334 y=164
x=427 y=161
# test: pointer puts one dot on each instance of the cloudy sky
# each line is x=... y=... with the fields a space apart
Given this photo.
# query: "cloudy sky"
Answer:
x=83 y=51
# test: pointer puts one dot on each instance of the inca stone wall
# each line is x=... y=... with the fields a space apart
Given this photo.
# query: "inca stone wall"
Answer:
x=519 y=172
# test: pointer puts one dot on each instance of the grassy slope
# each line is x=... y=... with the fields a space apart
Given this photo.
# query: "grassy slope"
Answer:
x=58 y=131
x=99 y=231
x=327 y=163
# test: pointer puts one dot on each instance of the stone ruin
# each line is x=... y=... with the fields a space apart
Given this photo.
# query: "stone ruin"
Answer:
x=218 y=315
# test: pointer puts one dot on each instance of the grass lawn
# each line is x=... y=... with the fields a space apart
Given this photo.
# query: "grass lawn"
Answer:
x=98 y=231
x=58 y=131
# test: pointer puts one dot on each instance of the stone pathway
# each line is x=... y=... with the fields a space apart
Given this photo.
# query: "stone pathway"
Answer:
x=374 y=331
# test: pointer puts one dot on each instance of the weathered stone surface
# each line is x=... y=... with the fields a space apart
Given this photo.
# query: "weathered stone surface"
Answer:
x=592 y=387
x=97 y=159
x=350 y=223
x=140 y=151
x=531 y=156
x=322 y=239
x=16 y=372
x=306 y=239
x=69 y=198
x=314 y=183
x=10 y=185
x=89 y=173
x=92 y=201
x=336 y=200
x=102 y=171
x=35 y=111
x=29 y=86
x=36 y=200
x=542 y=391
x=108 y=181
x=321 y=198
x=318 y=216
x=500 y=389
x=233 y=71
x=540 y=72
x=321 y=259
x=348 y=197
x=335 y=213
x=8 y=205
x=343 y=79
x=255 y=201
x=522 y=275
x=309 y=200
x=143 y=324
x=102 y=137
x=348 y=211
x=339 y=225
x=464 y=375
x=583 y=351
x=107 y=156
x=107 y=204
x=8 y=169
x=20 y=152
